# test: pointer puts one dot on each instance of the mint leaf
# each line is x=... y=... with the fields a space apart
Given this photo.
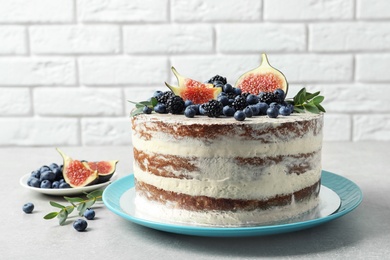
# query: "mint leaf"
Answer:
x=306 y=101
x=320 y=108
x=57 y=205
x=318 y=99
x=311 y=95
x=62 y=216
x=95 y=194
x=51 y=215
x=77 y=199
x=311 y=108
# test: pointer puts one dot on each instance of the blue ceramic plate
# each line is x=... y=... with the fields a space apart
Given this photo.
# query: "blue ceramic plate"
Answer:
x=348 y=192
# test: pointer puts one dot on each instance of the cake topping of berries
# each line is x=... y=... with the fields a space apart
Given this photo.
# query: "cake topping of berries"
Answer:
x=217 y=97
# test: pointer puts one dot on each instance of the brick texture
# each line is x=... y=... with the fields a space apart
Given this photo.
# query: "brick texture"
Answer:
x=308 y=10
x=122 y=10
x=216 y=10
x=36 y=11
x=13 y=40
x=64 y=39
x=168 y=39
x=68 y=68
x=37 y=71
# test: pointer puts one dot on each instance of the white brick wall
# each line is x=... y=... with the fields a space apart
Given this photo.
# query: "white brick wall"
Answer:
x=68 y=67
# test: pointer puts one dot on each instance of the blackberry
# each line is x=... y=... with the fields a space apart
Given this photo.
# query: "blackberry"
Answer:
x=217 y=78
x=269 y=97
x=239 y=103
x=175 y=105
x=213 y=108
x=163 y=98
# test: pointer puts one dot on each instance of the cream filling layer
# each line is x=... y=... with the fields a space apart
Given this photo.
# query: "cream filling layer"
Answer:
x=227 y=147
x=267 y=186
x=222 y=168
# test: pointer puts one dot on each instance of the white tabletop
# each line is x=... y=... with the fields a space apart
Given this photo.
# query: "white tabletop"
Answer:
x=362 y=234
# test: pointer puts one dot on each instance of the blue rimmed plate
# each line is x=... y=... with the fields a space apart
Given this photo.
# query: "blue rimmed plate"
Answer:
x=349 y=193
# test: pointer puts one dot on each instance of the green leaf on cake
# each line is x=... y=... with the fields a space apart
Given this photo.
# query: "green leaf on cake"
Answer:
x=305 y=101
x=139 y=106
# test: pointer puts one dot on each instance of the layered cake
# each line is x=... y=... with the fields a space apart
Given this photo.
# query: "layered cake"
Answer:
x=224 y=172
x=217 y=155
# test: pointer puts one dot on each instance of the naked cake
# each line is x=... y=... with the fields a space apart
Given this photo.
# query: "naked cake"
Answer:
x=197 y=162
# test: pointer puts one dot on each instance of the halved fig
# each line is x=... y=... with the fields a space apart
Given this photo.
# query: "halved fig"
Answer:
x=264 y=78
x=193 y=90
x=105 y=169
x=77 y=173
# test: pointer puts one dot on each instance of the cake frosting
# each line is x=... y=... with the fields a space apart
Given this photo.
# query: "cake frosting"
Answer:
x=225 y=172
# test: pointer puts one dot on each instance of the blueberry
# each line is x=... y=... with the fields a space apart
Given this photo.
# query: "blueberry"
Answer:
x=252 y=99
x=262 y=108
x=187 y=103
x=221 y=94
x=32 y=179
x=273 y=112
x=228 y=111
x=80 y=225
x=34 y=182
x=58 y=174
x=147 y=110
x=237 y=91
x=62 y=181
x=231 y=100
x=36 y=174
x=189 y=112
x=274 y=104
x=291 y=107
x=255 y=109
x=284 y=111
x=239 y=115
x=157 y=93
x=248 y=111
x=45 y=184
x=64 y=185
x=28 y=207
x=279 y=93
x=224 y=100
x=48 y=175
x=53 y=166
x=227 y=88
x=44 y=168
x=55 y=185
x=160 y=108
x=89 y=214
x=195 y=108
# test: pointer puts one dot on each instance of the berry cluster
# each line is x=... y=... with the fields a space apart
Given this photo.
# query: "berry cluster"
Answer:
x=231 y=102
x=48 y=177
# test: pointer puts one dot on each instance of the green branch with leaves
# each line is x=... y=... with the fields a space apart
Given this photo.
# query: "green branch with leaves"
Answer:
x=80 y=204
x=306 y=101
x=139 y=106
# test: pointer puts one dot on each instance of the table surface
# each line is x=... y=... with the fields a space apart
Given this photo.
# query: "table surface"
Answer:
x=362 y=234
